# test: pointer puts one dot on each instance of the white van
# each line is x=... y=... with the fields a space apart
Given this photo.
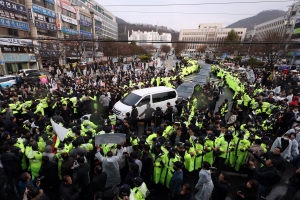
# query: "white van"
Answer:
x=156 y=96
x=7 y=81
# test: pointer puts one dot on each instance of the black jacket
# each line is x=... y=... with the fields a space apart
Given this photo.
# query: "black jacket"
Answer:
x=281 y=162
x=264 y=174
x=10 y=162
x=97 y=184
x=173 y=137
x=134 y=113
x=50 y=172
x=147 y=162
x=148 y=113
x=189 y=196
x=220 y=190
x=82 y=178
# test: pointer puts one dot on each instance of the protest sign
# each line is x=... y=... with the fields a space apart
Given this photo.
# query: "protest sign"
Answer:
x=115 y=138
x=60 y=131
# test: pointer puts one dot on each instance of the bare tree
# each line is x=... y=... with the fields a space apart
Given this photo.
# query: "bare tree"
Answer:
x=165 y=48
x=201 y=49
x=110 y=49
x=148 y=48
x=270 y=46
x=179 y=47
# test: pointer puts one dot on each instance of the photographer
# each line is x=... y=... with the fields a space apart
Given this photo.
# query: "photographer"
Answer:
x=27 y=182
x=247 y=191
x=221 y=185
x=264 y=175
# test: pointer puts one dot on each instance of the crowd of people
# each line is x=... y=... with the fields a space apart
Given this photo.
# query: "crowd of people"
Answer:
x=192 y=140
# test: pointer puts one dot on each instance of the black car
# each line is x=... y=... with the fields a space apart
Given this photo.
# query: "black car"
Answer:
x=186 y=90
x=201 y=80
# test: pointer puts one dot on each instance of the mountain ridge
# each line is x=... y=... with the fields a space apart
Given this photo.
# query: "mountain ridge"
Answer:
x=261 y=17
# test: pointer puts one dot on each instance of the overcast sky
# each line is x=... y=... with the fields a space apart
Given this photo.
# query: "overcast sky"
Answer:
x=188 y=21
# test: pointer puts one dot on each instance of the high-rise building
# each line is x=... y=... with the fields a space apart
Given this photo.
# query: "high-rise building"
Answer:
x=147 y=38
x=207 y=32
x=15 y=53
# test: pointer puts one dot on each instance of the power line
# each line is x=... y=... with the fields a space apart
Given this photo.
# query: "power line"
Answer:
x=197 y=4
x=162 y=42
x=183 y=13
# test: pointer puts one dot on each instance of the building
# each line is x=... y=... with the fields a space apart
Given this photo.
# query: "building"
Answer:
x=104 y=18
x=147 y=38
x=15 y=53
x=277 y=25
x=207 y=32
x=288 y=26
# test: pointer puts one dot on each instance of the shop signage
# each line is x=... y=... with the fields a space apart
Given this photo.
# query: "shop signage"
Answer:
x=14 y=41
x=30 y=15
x=50 y=1
x=16 y=49
x=6 y=14
x=14 y=24
x=58 y=21
x=87 y=48
x=49 y=53
x=12 y=6
x=43 y=11
x=32 y=58
x=85 y=33
x=72 y=54
x=68 y=7
x=97 y=18
x=69 y=31
x=89 y=54
x=15 y=57
x=85 y=23
x=69 y=20
x=98 y=28
x=46 y=26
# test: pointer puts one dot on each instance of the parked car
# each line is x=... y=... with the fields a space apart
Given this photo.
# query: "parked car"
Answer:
x=187 y=89
x=29 y=72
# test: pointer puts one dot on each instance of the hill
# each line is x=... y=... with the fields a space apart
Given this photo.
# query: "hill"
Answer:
x=261 y=17
x=123 y=34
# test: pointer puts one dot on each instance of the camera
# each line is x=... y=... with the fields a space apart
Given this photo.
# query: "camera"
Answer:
x=213 y=169
x=250 y=150
x=38 y=178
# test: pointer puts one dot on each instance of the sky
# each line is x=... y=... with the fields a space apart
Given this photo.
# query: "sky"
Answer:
x=178 y=21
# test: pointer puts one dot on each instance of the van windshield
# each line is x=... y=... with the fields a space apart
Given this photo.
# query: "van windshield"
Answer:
x=131 y=99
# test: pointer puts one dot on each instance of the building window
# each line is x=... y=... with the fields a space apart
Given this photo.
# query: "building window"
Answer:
x=83 y=28
x=13 y=32
x=85 y=18
x=19 y=1
x=46 y=32
x=68 y=13
x=43 y=4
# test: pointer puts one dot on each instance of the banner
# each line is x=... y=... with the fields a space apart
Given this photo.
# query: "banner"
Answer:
x=14 y=24
x=111 y=138
x=60 y=131
x=68 y=7
x=43 y=11
x=43 y=79
x=97 y=18
x=8 y=5
x=69 y=20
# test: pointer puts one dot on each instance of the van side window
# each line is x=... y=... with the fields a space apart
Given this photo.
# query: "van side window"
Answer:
x=144 y=101
x=164 y=96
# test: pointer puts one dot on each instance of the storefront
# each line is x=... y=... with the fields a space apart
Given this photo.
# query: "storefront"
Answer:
x=15 y=62
x=16 y=54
